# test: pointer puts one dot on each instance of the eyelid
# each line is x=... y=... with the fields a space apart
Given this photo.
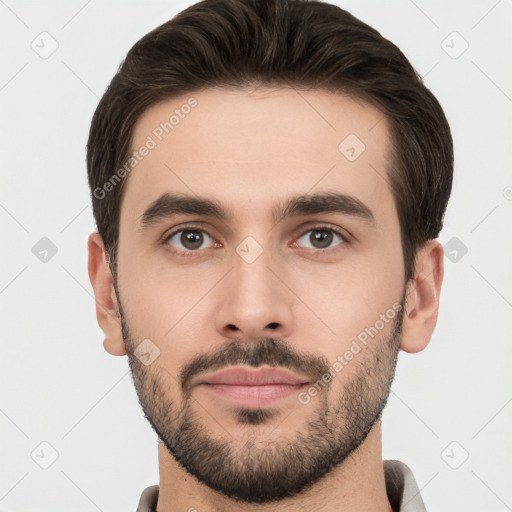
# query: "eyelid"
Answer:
x=345 y=235
x=323 y=226
x=190 y=227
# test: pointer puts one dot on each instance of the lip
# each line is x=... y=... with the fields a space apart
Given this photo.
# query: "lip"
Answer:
x=253 y=388
x=244 y=376
x=253 y=397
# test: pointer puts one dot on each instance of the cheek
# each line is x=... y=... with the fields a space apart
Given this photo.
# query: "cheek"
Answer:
x=361 y=312
x=348 y=298
x=161 y=300
x=168 y=311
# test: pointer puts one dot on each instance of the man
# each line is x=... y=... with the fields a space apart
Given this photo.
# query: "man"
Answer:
x=268 y=179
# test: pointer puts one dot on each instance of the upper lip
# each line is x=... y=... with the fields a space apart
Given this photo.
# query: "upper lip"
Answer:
x=243 y=376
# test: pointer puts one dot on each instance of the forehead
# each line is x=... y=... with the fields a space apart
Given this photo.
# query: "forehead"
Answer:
x=250 y=147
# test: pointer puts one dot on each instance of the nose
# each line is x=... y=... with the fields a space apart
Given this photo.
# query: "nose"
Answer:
x=254 y=302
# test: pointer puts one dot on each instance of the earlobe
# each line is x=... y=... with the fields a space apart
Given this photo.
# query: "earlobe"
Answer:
x=422 y=298
x=107 y=310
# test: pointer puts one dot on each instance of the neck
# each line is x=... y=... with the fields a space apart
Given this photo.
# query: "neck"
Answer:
x=356 y=485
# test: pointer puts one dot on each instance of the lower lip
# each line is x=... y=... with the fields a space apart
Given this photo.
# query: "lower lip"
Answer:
x=255 y=396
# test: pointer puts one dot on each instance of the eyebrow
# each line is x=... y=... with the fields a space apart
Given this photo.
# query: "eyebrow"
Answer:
x=168 y=205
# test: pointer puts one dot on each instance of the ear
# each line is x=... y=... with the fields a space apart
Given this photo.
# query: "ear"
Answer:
x=422 y=298
x=107 y=309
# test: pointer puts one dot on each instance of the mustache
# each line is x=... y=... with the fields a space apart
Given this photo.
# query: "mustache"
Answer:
x=269 y=351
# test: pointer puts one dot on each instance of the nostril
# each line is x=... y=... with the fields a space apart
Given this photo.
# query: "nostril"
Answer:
x=273 y=325
x=232 y=327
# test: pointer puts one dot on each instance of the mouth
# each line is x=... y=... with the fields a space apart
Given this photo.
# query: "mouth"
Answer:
x=253 y=388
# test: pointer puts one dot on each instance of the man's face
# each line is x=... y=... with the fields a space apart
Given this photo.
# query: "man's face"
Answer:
x=300 y=291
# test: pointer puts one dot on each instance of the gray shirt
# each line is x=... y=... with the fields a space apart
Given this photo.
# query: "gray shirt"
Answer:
x=401 y=487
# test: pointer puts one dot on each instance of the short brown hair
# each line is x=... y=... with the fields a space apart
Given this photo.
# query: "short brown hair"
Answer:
x=293 y=43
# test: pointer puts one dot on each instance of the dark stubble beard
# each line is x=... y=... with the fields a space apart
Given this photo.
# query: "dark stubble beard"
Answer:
x=252 y=474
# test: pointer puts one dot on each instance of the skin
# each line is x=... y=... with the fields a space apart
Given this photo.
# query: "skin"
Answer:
x=250 y=149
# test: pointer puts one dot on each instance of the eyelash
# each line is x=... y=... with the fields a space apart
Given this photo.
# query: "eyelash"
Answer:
x=190 y=253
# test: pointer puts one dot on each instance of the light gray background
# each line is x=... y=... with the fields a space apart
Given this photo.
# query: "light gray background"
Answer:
x=57 y=383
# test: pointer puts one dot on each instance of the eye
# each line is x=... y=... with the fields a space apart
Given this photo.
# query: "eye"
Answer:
x=322 y=237
x=188 y=239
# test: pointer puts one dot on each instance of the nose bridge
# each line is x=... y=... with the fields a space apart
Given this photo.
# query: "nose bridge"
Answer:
x=251 y=274
x=254 y=302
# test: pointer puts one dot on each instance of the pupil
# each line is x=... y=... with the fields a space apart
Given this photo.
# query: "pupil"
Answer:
x=321 y=239
x=191 y=239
